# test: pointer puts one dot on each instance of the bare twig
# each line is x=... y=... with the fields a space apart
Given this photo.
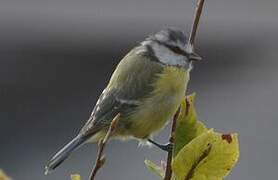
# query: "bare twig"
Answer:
x=168 y=172
x=190 y=46
x=195 y=24
x=100 y=160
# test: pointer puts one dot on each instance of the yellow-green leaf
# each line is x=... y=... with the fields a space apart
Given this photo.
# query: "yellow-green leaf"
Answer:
x=154 y=168
x=75 y=177
x=210 y=156
x=188 y=127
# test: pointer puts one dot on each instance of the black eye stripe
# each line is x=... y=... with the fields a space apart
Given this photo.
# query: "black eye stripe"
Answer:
x=174 y=49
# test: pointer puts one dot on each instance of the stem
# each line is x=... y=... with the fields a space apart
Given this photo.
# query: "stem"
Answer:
x=190 y=46
x=195 y=24
x=168 y=172
x=100 y=160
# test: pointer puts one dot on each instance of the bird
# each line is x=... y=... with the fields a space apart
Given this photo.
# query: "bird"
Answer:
x=146 y=89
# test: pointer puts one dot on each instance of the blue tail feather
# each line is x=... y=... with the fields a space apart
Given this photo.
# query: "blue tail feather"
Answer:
x=64 y=153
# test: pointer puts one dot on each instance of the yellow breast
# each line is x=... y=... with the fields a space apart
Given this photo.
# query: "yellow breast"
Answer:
x=155 y=110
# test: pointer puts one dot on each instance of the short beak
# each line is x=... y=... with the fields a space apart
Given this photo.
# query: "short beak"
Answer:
x=194 y=57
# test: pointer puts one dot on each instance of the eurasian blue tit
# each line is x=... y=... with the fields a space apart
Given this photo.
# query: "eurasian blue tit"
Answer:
x=146 y=88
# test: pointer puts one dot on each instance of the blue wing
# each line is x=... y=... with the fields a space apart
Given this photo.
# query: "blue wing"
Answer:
x=132 y=80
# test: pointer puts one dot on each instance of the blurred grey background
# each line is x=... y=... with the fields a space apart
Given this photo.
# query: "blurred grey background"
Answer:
x=56 y=56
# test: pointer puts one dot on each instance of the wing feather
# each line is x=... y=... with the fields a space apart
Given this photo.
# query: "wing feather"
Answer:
x=131 y=81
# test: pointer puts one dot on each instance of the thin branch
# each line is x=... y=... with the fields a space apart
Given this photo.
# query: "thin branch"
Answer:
x=198 y=12
x=195 y=24
x=100 y=157
x=168 y=172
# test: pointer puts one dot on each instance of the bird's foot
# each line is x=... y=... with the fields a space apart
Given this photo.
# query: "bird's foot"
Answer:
x=165 y=147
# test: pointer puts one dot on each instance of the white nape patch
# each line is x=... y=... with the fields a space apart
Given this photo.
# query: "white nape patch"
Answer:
x=166 y=56
x=146 y=42
x=162 y=37
x=141 y=49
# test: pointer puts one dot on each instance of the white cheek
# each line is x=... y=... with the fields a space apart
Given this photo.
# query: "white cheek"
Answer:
x=166 y=56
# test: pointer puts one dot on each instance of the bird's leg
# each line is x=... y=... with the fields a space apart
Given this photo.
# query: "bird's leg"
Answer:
x=165 y=147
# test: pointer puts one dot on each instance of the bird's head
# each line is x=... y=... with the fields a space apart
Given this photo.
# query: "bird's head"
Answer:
x=170 y=47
